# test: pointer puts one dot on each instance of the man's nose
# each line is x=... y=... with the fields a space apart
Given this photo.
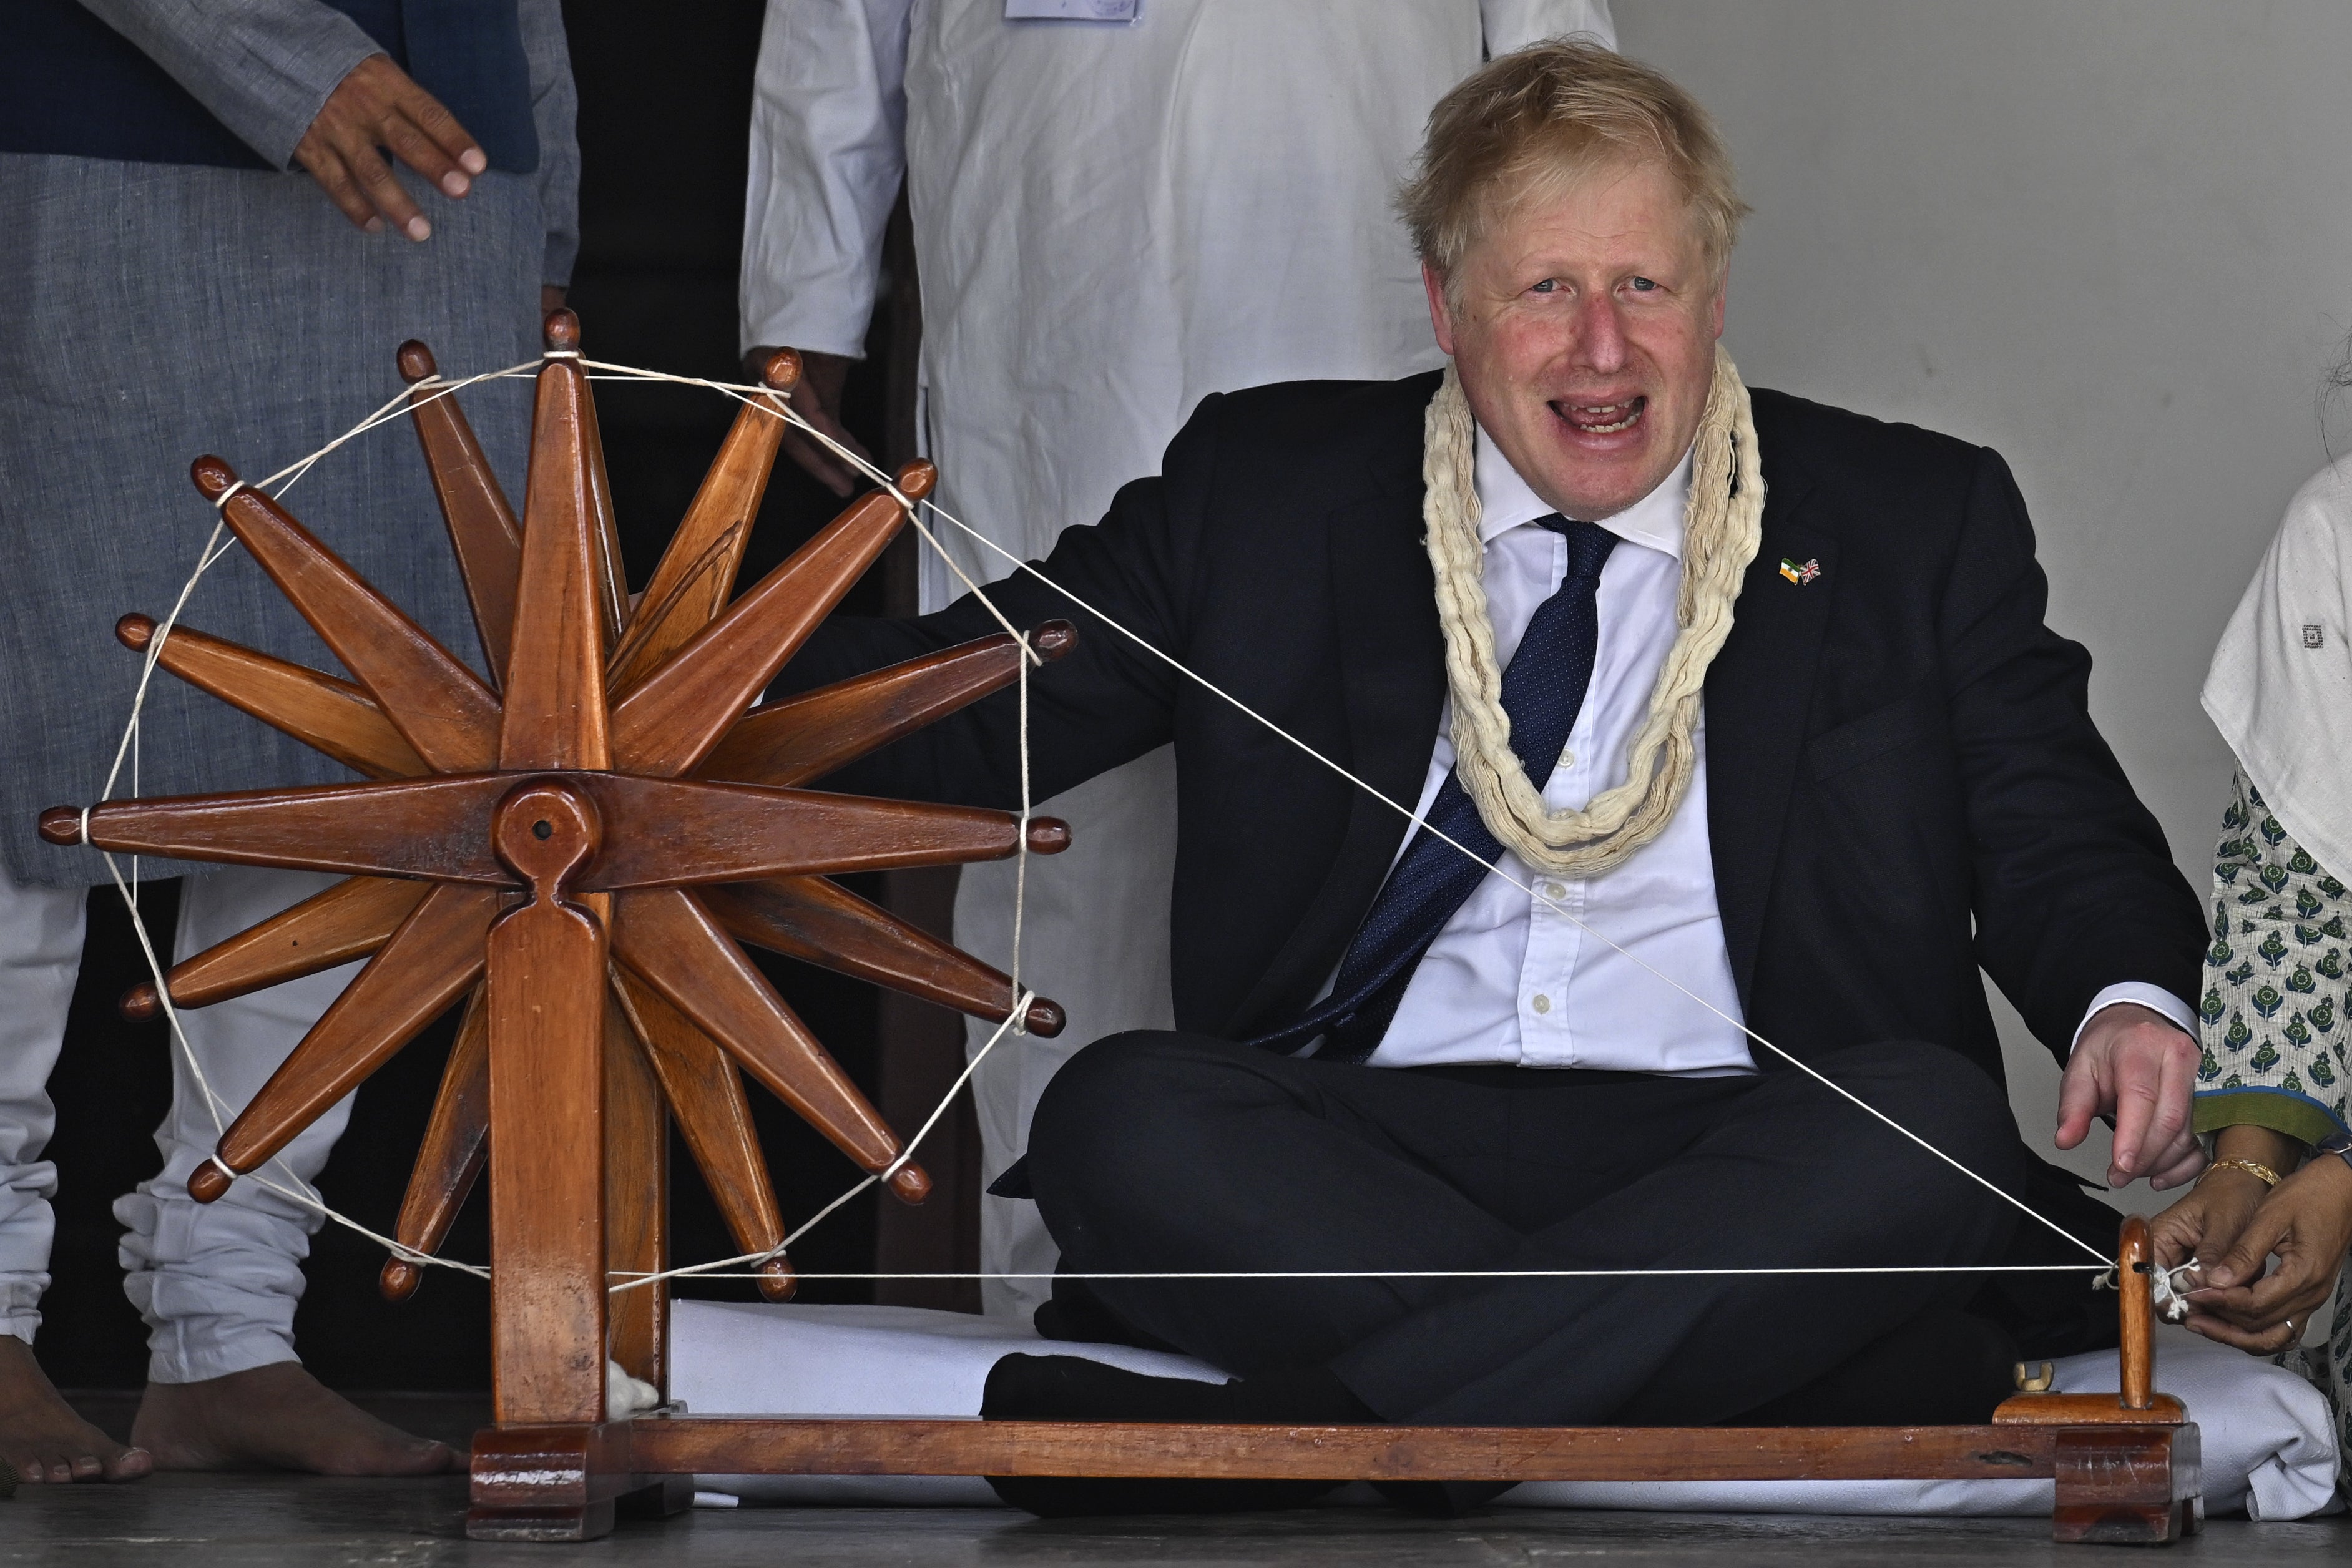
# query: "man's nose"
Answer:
x=1600 y=336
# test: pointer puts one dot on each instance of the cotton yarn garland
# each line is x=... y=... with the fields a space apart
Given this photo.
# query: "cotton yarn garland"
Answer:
x=1722 y=525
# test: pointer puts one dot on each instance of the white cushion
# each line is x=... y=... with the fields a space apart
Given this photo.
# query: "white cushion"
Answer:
x=2268 y=1445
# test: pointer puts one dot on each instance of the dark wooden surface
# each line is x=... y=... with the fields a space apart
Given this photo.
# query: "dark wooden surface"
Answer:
x=670 y=940
x=450 y=1159
x=805 y=737
x=705 y=1089
x=547 y=1143
x=432 y=960
x=636 y=1201
x=720 y=1444
x=697 y=573
x=439 y=706
x=320 y=710
x=474 y=506
x=350 y=919
x=670 y=720
x=555 y=714
x=818 y=920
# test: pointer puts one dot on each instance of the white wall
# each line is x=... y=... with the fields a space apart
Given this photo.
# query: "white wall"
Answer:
x=2111 y=238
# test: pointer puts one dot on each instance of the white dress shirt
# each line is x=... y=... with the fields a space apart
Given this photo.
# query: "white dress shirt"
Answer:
x=1511 y=980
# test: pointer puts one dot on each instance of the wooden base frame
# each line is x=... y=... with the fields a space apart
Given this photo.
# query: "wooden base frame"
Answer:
x=578 y=841
x=2124 y=1466
x=2131 y=1484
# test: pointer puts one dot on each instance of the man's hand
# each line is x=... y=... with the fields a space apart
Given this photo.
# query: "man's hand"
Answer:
x=2139 y=1068
x=376 y=107
x=2306 y=1223
x=817 y=399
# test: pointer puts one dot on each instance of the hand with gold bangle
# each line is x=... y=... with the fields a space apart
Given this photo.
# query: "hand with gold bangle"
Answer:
x=2260 y=1198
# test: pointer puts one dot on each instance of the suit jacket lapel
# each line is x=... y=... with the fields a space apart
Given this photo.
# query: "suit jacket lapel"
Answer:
x=1392 y=672
x=1758 y=691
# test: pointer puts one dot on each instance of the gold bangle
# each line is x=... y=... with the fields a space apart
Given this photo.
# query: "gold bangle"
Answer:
x=2253 y=1168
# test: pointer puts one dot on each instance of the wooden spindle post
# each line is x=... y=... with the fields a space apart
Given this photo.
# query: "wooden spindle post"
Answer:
x=2135 y=1279
x=547 y=1154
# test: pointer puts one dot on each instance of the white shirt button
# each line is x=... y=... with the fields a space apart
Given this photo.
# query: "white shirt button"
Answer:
x=1554 y=890
x=1542 y=1002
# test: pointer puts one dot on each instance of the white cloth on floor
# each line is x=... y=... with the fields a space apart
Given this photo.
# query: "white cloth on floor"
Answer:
x=1112 y=221
x=2268 y=1449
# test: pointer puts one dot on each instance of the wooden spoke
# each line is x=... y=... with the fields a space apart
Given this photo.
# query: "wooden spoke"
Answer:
x=555 y=675
x=456 y=1144
x=436 y=828
x=823 y=923
x=672 y=832
x=671 y=942
x=440 y=706
x=545 y=997
x=350 y=919
x=636 y=1199
x=612 y=577
x=322 y=712
x=674 y=716
x=808 y=736
x=429 y=962
x=482 y=526
x=705 y=1091
x=697 y=574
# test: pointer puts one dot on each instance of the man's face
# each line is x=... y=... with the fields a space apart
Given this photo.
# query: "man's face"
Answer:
x=1583 y=328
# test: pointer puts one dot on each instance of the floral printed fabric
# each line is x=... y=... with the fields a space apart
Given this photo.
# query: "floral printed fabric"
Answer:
x=2273 y=1027
x=2275 y=1034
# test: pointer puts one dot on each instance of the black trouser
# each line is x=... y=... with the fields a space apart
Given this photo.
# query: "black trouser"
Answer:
x=1166 y=1151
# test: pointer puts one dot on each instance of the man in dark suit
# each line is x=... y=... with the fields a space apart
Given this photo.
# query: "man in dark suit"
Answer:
x=1453 y=1082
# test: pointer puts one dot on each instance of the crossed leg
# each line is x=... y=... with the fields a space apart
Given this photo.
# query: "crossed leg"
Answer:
x=1183 y=1153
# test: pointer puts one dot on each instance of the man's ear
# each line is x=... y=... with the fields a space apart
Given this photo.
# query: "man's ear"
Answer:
x=1440 y=319
x=1722 y=288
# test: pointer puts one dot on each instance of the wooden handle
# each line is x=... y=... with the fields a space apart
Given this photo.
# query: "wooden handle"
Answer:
x=2136 y=1283
x=482 y=526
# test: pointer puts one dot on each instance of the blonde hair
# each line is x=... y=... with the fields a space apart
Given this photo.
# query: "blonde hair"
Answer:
x=1522 y=126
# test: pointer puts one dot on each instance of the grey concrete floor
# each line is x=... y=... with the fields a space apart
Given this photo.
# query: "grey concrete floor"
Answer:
x=264 y=1521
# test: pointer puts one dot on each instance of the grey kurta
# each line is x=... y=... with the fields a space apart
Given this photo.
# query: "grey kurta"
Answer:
x=154 y=313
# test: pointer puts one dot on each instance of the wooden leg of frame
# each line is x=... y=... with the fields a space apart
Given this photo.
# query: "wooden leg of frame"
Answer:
x=551 y=1483
x=636 y=1201
x=2127 y=1485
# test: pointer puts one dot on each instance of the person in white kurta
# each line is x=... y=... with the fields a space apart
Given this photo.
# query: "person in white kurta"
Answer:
x=1112 y=219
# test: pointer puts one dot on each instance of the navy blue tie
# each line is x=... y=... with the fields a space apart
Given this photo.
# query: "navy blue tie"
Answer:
x=1543 y=688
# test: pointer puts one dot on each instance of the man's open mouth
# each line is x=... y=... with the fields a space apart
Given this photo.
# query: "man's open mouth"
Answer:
x=1602 y=418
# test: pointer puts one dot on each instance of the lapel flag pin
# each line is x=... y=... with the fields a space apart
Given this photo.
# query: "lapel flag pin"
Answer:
x=1800 y=575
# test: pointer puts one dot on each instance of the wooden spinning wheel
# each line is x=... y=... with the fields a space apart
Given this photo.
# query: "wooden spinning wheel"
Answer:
x=610 y=768
x=581 y=841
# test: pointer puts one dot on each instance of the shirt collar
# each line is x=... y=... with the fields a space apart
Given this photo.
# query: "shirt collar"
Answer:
x=1506 y=501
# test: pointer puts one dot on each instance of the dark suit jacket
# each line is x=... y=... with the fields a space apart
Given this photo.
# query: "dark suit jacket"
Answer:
x=1902 y=779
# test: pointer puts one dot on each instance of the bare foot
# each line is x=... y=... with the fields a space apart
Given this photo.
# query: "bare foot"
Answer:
x=277 y=1417
x=41 y=1439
